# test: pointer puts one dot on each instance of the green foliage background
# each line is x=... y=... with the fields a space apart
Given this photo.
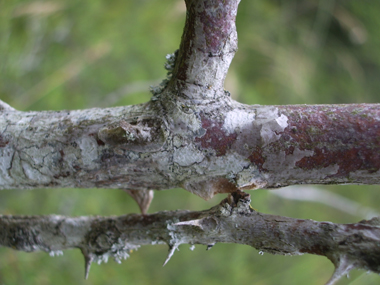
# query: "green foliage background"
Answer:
x=78 y=54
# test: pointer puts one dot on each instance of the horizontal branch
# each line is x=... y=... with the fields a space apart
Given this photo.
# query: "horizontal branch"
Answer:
x=348 y=246
x=206 y=148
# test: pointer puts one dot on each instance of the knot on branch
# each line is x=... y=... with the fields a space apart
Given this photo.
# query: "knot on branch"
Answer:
x=237 y=202
x=147 y=134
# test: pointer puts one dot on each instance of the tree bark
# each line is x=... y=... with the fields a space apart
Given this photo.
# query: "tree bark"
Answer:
x=348 y=246
x=204 y=149
x=193 y=135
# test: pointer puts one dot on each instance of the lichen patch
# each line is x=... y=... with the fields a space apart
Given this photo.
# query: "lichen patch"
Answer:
x=272 y=124
x=233 y=120
x=89 y=149
x=187 y=156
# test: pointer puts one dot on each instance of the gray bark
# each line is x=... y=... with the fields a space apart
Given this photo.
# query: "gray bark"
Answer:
x=348 y=246
x=193 y=135
x=220 y=147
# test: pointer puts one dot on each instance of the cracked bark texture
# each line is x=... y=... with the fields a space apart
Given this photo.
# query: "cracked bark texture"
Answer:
x=192 y=135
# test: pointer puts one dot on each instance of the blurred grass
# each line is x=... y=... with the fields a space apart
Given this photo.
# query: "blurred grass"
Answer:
x=70 y=55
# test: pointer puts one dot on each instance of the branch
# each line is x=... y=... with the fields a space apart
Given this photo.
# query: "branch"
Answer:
x=208 y=45
x=205 y=149
x=348 y=246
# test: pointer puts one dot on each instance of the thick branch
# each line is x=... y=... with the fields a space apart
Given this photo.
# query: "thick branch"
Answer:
x=232 y=221
x=81 y=148
x=205 y=149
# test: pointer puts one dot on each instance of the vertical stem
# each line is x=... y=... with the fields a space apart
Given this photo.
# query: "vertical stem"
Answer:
x=209 y=43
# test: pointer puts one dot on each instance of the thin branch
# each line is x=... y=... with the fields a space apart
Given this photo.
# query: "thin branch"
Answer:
x=348 y=246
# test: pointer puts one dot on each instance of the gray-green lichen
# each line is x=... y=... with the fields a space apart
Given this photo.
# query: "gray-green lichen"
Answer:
x=169 y=66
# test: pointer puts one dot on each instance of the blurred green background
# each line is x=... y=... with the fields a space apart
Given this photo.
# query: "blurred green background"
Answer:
x=78 y=54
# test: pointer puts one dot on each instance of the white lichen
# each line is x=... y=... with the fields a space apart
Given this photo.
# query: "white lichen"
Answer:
x=89 y=149
x=233 y=120
x=55 y=253
x=169 y=66
x=271 y=123
x=33 y=174
x=187 y=156
x=119 y=251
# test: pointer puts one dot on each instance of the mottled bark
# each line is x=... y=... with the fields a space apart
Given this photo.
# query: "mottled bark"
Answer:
x=209 y=43
x=232 y=221
x=193 y=135
x=204 y=149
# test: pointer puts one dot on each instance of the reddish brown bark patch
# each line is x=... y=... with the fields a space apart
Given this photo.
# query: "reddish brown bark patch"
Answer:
x=215 y=137
x=209 y=25
x=257 y=158
x=338 y=135
x=217 y=20
x=223 y=185
x=348 y=160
